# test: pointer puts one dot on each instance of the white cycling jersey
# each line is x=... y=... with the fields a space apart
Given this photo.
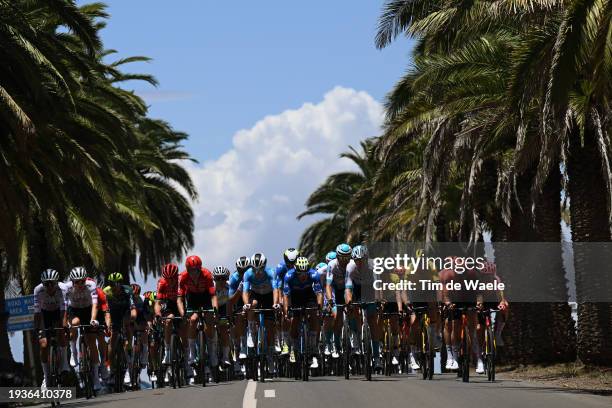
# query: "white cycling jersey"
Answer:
x=336 y=275
x=357 y=275
x=49 y=302
x=80 y=296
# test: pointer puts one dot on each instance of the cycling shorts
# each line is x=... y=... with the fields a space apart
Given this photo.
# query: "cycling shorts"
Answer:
x=51 y=319
x=82 y=313
x=455 y=313
x=198 y=300
x=263 y=301
x=390 y=307
x=169 y=307
x=303 y=298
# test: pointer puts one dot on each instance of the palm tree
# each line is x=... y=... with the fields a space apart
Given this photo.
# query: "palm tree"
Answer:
x=336 y=198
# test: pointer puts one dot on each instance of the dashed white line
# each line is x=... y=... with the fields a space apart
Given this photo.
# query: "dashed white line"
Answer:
x=270 y=393
x=249 y=401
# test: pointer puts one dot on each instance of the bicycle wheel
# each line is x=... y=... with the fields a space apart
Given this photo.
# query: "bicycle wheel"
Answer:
x=367 y=351
x=490 y=353
x=424 y=354
x=465 y=359
x=346 y=345
x=175 y=361
x=202 y=360
x=85 y=370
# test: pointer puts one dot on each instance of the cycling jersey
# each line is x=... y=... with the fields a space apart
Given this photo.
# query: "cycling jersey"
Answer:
x=143 y=309
x=167 y=290
x=202 y=284
x=81 y=296
x=46 y=301
x=235 y=283
x=261 y=283
x=322 y=272
x=222 y=292
x=307 y=282
x=281 y=271
x=102 y=304
x=336 y=275
x=119 y=302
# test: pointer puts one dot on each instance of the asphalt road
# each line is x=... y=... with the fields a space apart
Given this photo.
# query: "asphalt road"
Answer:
x=401 y=391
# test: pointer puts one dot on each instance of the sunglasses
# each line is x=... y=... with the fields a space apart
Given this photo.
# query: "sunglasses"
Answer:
x=48 y=283
x=79 y=281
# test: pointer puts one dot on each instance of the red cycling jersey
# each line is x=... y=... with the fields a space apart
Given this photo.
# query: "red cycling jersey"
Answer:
x=102 y=303
x=203 y=284
x=167 y=289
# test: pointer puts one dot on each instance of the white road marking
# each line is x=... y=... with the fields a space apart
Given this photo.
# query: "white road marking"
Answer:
x=249 y=401
x=270 y=393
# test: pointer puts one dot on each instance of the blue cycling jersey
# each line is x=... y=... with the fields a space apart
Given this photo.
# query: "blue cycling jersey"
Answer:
x=261 y=283
x=235 y=283
x=298 y=282
x=281 y=271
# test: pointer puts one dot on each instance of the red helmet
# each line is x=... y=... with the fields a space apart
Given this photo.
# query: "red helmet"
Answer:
x=170 y=271
x=193 y=261
x=135 y=289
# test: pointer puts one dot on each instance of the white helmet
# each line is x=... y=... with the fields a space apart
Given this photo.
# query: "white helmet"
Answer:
x=78 y=273
x=221 y=271
x=290 y=255
x=359 y=252
x=49 y=275
x=243 y=263
x=258 y=261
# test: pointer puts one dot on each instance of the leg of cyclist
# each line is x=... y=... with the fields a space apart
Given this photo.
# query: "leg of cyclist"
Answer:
x=293 y=332
x=395 y=341
x=313 y=335
x=190 y=350
x=376 y=330
x=212 y=342
x=74 y=321
x=415 y=347
x=128 y=325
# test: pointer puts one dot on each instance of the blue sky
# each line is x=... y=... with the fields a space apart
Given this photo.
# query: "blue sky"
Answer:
x=224 y=65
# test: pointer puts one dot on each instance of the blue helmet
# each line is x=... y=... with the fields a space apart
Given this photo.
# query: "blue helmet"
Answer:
x=343 y=250
x=330 y=256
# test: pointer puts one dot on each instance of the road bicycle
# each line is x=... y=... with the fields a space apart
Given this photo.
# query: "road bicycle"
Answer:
x=388 y=346
x=464 y=344
x=55 y=360
x=119 y=362
x=304 y=353
x=257 y=359
x=426 y=353
x=490 y=346
x=203 y=358
x=177 y=354
x=85 y=371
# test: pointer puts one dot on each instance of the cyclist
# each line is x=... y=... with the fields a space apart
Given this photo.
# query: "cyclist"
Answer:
x=302 y=288
x=485 y=301
x=392 y=306
x=196 y=289
x=221 y=275
x=328 y=332
x=149 y=304
x=235 y=302
x=335 y=292
x=166 y=304
x=358 y=272
x=288 y=262
x=103 y=316
x=330 y=256
x=260 y=291
x=122 y=311
x=50 y=313
x=82 y=302
x=143 y=321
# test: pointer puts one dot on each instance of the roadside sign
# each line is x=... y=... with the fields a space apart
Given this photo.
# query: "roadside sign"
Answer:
x=21 y=313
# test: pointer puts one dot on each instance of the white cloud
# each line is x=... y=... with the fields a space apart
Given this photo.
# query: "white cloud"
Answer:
x=250 y=196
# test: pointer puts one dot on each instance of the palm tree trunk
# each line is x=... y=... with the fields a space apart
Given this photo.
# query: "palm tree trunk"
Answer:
x=547 y=228
x=5 y=345
x=589 y=223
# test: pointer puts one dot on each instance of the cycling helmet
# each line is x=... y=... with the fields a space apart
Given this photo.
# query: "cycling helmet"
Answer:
x=258 y=261
x=115 y=277
x=170 y=271
x=193 y=261
x=321 y=265
x=290 y=255
x=49 y=275
x=78 y=273
x=220 y=272
x=302 y=264
x=330 y=256
x=147 y=295
x=135 y=289
x=243 y=263
x=343 y=250
x=359 y=252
